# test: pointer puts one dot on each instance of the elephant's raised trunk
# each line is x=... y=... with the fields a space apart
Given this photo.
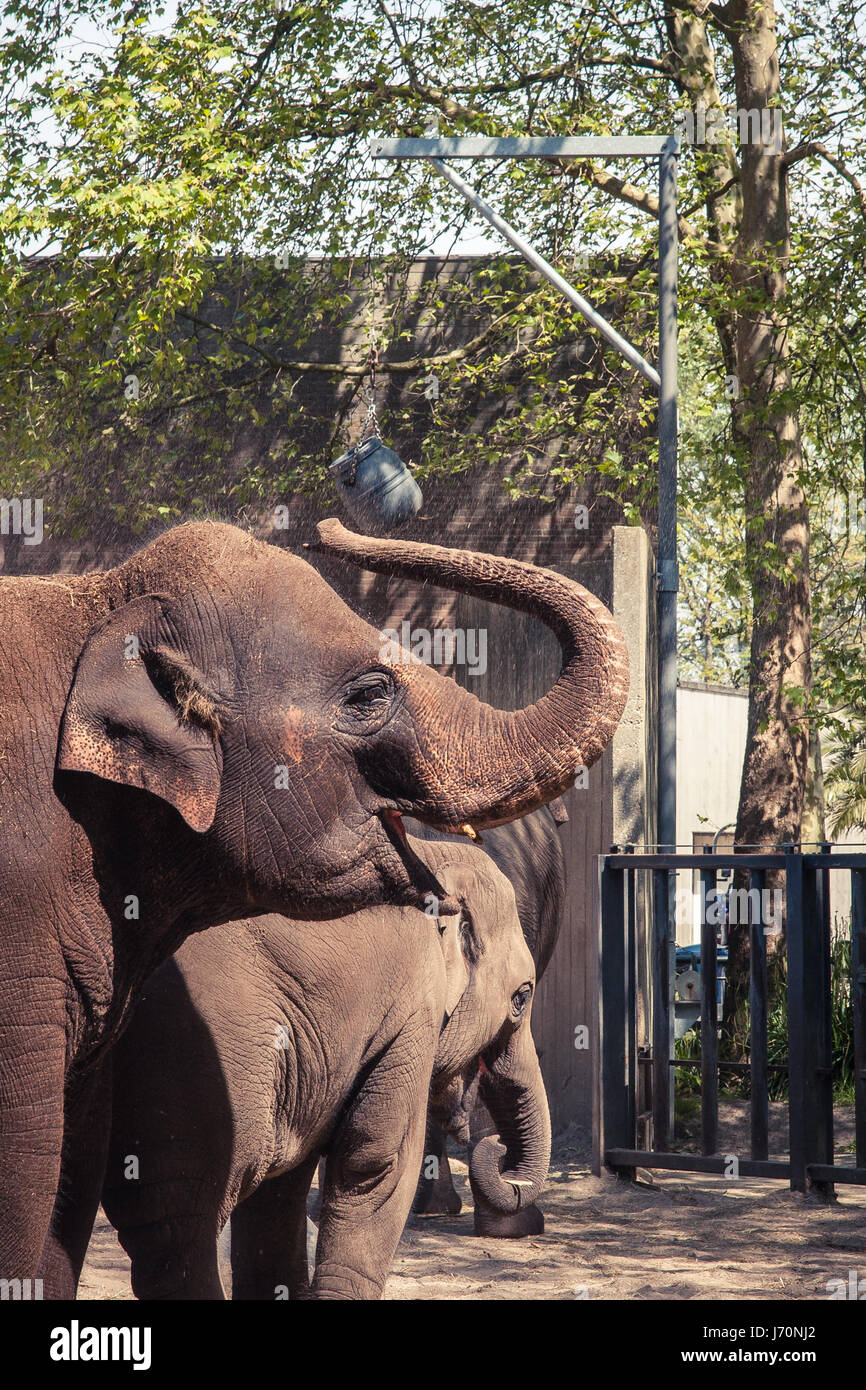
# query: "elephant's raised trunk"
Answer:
x=488 y=766
x=507 y=1170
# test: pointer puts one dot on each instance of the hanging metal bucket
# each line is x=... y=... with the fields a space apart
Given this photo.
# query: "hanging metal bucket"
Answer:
x=376 y=485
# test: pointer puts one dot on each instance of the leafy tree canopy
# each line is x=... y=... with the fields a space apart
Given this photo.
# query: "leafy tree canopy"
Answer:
x=146 y=148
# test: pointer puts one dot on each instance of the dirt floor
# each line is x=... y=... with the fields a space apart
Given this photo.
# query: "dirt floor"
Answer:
x=676 y=1236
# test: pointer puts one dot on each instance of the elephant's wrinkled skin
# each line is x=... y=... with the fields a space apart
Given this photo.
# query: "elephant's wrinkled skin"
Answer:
x=207 y=732
x=261 y=1044
x=529 y=853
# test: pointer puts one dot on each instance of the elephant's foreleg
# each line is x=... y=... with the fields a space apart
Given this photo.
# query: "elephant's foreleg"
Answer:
x=269 y=1238
x=31 y=1135
x=169 y=1227
x=175 y=1259
x=436 y=1194
x=372 y=1172
x=85 y=1148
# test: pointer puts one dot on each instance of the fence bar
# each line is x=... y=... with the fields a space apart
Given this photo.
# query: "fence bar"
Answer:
x=762 y=860
x=731 y=1066
x=697 y=861
x=615 y=1108
x=760 y=1107
x=808 y=1018
x=858 y=1003
x=830 y=1173
x=709 y=1019
x=661 y=1009
x=819 y=1006
x=699 y=1163
x=632 y=1081
x=796 y=1020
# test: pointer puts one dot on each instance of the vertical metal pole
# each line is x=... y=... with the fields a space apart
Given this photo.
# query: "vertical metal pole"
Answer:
x=631 y=987
x=760 y=1095
x=709 y=1019
x=858 y=1003
x=821 y=948
x=668 y=583
x=817 y=1043
x=667 y=579
x=662 y=1010
x=797 y=1080
x=614 y=1082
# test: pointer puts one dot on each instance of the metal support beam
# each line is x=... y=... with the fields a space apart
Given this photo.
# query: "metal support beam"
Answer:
x=668 y=580
x=664 y=148
x=616 y=340
x=525 y=147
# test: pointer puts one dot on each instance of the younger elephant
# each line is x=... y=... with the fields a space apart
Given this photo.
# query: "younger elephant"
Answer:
x=529 y=853
x=263 y=1044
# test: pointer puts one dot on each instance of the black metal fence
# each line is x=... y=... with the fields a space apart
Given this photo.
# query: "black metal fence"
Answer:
x=809 y=1065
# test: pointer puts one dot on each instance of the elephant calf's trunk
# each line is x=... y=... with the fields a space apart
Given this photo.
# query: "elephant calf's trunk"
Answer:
x=507 y=1170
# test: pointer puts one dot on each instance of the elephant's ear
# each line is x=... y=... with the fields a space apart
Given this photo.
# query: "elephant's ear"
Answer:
x=140 y=713
x=451 y=939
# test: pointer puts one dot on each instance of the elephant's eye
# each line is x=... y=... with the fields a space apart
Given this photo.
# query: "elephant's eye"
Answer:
x=519 y=1000
x=368 y=698
x=469 y=942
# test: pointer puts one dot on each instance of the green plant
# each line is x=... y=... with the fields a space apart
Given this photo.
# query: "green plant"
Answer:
x=737 y=1084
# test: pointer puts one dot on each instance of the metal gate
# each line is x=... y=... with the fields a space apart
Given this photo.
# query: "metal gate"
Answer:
x=809 y=1064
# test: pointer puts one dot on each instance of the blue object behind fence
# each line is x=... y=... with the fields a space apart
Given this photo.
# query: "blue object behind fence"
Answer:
x=689 y=958
x=376 y=485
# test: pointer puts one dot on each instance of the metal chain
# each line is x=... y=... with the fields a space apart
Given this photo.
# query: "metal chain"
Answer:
x=371 y=423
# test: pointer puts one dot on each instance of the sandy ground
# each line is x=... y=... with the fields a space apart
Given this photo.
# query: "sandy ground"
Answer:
x=677 y=1236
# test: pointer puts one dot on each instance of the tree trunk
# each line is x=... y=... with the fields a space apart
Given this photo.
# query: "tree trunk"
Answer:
x=750 y=231
x=767 y=433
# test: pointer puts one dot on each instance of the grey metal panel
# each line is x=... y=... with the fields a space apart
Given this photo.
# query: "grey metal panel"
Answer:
x=524 y=147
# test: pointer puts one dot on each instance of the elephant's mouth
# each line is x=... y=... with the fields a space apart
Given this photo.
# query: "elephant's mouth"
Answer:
x=423 y=880
x=453 y=1105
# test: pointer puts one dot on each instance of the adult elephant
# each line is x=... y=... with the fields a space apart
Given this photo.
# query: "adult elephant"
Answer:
x=207 y=732
x=259 y=1046
x=530 y=855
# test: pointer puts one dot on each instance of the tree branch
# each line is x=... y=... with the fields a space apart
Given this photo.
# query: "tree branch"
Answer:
x=447 y=105
x=812 y=147
x=566 y=69
x=711 y=196
x=359 y=369
x=625 y=192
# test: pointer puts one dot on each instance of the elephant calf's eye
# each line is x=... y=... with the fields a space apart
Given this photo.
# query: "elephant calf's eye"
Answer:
x=519 y=1000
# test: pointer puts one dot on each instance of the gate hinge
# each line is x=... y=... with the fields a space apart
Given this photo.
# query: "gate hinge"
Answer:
x=668 y=577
